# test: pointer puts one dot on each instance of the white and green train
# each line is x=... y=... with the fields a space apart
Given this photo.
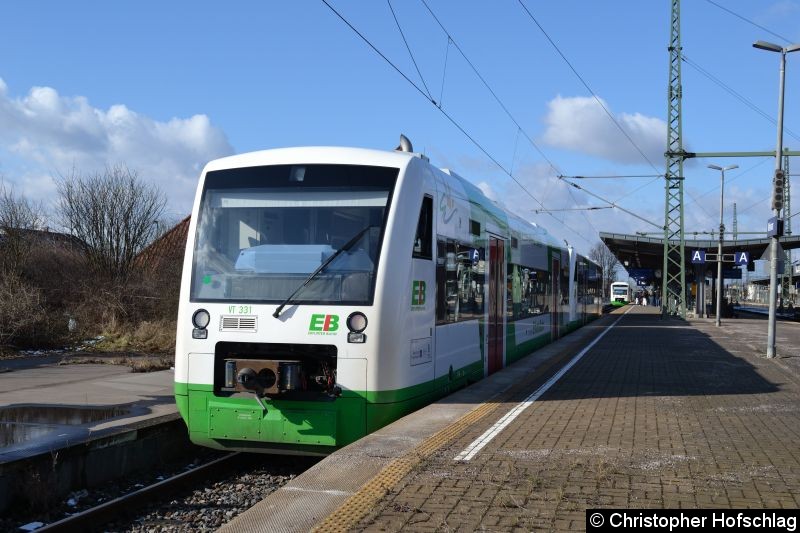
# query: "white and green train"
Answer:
x=329 y=291
x=620 y=293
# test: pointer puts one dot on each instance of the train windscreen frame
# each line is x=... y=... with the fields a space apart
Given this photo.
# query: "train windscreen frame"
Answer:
x=262 y=230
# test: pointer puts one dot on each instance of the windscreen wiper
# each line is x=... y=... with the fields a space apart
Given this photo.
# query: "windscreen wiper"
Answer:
x=349 y=244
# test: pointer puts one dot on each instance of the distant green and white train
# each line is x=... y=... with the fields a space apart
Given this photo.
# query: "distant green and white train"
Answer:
x=329 y=291
x=620 y=293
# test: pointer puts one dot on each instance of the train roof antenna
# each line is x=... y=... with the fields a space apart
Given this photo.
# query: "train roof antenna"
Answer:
x=405 y=144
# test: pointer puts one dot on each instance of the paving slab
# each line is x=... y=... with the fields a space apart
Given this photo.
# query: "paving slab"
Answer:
x=379 y=458
x=660 y=413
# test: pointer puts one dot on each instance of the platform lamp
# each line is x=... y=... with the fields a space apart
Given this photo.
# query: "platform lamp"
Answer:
x=721 y=235
x=773 y=252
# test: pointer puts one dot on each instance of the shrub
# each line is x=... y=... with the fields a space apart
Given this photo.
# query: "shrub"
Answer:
x=22 y=316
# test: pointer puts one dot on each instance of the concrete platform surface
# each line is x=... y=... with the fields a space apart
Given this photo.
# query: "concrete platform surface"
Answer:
x=46 y=407
x=659 y=413
x=382 y=457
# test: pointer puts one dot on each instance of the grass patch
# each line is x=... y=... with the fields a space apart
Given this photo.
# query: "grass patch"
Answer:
x=156 y=336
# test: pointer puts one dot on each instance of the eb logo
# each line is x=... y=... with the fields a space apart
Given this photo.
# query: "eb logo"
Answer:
x=418 y=293
x=329 y=323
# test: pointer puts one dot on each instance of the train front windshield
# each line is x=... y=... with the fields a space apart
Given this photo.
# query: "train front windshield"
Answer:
x=261 y=231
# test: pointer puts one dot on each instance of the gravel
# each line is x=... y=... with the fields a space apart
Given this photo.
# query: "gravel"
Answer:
x=209 y=507
x=205 y=508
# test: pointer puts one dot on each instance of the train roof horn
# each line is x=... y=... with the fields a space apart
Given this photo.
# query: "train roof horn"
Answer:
x=405 y=144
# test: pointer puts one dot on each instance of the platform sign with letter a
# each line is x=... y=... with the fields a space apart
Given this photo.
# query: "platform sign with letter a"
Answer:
x=741 y=258
x=698 y=257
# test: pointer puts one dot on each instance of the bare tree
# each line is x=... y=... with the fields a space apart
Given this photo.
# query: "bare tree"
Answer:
x=21 y=309
x=115 y=216
x=19 y=218
x=601 y=255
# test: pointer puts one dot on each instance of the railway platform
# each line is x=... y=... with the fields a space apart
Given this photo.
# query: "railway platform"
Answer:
x=45 y=405
x=763 y=311
x=656 y=413
x=79 y=425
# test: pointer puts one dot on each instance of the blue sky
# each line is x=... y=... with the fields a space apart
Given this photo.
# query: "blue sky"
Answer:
x=163 y=87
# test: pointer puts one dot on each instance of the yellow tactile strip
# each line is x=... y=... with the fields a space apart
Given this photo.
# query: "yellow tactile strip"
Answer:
x=362 y=502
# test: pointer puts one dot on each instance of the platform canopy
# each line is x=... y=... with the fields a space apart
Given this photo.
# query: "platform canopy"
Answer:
x=643 y=257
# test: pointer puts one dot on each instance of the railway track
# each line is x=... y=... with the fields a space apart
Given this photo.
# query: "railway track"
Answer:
x=758 y=312
x=133 y=502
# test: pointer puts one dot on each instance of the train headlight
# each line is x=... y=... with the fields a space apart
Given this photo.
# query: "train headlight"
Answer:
x=357 y=322
x=201 y=318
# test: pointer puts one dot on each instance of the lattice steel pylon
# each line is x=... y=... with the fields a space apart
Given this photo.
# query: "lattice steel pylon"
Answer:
x=786 y=282
x=673 y=288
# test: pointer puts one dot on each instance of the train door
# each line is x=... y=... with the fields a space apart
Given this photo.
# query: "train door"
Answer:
x=583 y=299
x=497 y=291
x=423 y=295
x=555 y=305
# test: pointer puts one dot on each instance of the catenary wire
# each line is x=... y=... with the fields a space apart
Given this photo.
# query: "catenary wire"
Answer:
x=732 y=179
x=502 y=105
x=410 y=53
x=586 y=85
x=737 y=15
x=735 y=94
x=446 y=115
x=585 y=216
x=489 y=88
x=616 y=176
x=639 y=188
x=444 y=70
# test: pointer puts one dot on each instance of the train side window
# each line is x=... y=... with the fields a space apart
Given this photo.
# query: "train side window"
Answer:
x=460 y=280
x=423 y=240
x=527 y=291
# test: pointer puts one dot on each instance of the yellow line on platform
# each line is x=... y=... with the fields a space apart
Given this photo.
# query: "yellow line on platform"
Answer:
x=362 y=502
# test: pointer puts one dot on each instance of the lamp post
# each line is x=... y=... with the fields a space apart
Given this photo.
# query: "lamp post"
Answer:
x=721 y=236
x=773 y=252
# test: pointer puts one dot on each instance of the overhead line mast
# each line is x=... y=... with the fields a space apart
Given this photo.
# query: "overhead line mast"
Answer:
x=673 y=289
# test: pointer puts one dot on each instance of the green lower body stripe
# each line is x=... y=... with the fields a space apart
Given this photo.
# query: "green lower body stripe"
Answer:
x=219 y=421
x=239 y=422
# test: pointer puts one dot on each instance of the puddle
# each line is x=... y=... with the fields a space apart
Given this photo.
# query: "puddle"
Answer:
x=12 y=433
x=24 y=424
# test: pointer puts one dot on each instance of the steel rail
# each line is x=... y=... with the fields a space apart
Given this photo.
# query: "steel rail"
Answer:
x=130 y=503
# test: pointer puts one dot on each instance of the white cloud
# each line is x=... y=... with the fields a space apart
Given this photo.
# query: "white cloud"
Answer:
x=487 y=190
x=44 y=134
x=581 y=124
